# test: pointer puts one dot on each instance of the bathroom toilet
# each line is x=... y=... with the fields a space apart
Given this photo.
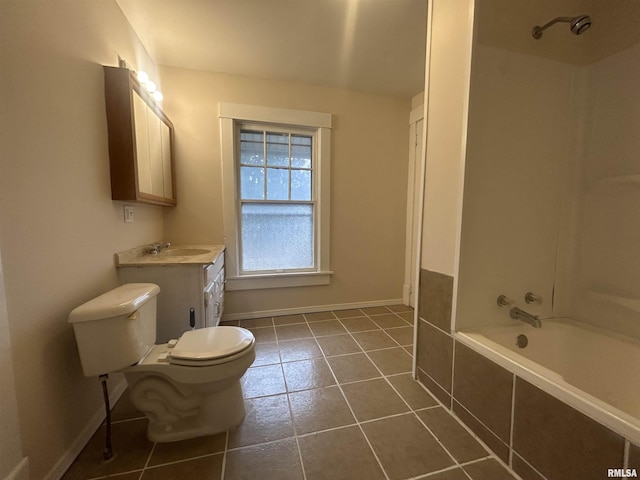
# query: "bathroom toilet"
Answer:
x=188 y=387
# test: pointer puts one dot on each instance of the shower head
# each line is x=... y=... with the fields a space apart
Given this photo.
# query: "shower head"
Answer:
x=580 y=24
x=577 y=24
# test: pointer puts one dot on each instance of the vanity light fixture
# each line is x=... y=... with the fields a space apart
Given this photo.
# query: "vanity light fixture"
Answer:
x=150 y=85
x=143 y=79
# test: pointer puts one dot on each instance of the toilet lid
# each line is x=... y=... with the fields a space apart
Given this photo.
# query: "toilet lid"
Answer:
x=211 y=343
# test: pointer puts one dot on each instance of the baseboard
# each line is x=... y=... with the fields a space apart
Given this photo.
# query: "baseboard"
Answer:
x=318 y=308
x=21 y=471
x=76 y=447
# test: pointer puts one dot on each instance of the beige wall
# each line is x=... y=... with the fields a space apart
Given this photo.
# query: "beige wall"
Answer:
x=369 y=159
x=446 y=96
x=59 y=227
x=10 y=445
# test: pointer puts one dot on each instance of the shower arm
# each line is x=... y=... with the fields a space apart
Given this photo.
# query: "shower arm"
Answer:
x=554 y=21
x=537 y=30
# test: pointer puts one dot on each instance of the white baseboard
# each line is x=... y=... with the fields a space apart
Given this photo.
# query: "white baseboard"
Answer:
x=21 y=471
x=318 y=308
x=76 y=447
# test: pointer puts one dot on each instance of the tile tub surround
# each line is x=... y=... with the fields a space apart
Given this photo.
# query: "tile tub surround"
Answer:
x=538 y=435
x=436 y=298
x=435 y=343
x=322 y=403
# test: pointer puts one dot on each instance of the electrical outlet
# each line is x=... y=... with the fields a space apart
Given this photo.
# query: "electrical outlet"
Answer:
x=128 y=214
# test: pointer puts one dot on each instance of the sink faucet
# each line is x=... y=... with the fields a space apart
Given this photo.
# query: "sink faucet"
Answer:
x=519 y=314
x=156 y=248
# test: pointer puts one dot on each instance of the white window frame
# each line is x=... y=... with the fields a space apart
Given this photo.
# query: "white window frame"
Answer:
x=319 y=124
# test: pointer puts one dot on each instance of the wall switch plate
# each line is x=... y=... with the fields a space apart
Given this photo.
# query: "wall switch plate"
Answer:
x=128 y=214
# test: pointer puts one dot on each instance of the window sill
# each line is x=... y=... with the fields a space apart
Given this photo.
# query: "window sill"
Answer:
x=257 y=282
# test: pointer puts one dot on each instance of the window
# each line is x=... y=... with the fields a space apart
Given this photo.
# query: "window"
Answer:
x=276 y=196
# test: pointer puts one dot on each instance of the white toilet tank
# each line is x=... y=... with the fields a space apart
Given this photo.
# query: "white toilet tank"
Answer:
x=116 y=329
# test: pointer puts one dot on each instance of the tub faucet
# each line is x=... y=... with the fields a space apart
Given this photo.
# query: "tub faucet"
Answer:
x=519 y=314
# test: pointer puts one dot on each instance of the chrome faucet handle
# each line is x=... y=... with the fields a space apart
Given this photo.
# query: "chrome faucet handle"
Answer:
x=504 y=301
x=531 y=297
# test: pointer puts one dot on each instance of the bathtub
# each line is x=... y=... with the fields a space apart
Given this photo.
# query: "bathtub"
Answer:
x=594 y=371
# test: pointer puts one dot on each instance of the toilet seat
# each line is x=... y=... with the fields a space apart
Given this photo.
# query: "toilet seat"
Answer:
x=210 y=346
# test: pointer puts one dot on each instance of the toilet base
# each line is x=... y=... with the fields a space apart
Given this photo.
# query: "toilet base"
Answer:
x=177 y=413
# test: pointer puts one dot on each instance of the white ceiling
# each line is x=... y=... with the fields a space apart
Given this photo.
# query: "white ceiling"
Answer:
x=374 y=46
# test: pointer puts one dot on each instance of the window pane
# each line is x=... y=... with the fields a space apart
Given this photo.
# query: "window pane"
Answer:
x=277 y=184
x=300 y=184
x=251 y=148
x=251 y=183
x=277 y=237
x=278 y=149
x=300 y=151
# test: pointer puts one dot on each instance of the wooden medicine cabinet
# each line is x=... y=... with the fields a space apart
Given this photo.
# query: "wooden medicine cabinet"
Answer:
x=140 y=142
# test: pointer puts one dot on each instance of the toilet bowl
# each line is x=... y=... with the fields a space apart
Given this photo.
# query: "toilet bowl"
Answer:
x=188 y=387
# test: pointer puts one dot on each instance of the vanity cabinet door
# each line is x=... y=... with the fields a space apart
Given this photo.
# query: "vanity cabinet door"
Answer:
x=140 y=142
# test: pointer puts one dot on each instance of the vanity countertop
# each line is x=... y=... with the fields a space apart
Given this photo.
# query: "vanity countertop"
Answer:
x=174 y=255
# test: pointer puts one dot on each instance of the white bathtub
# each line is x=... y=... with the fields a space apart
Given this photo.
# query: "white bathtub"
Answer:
x=594 y=371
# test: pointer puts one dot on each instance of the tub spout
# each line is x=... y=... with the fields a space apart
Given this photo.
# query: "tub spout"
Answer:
x=519 y=314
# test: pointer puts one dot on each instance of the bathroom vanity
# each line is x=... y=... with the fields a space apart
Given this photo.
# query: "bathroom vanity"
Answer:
x=191 y=281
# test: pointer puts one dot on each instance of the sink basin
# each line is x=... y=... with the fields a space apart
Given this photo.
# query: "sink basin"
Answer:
x=184 y=252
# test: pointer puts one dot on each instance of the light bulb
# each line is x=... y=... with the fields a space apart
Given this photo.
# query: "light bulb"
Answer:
x=157 y=96
x=151 y=86
x=143 y=77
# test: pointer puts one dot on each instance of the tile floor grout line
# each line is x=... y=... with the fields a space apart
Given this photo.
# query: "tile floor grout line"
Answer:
x=224 y=455
x=384 y=472
x=126 y=420
x=411 y=410
x=472 y=433
x=110 y=475
x=295 y=430
x=382 y=375
x=320 y=347
x=153 y=449
x=304 y=472
x=453 y=414
x=174 y=462
x=455 y=461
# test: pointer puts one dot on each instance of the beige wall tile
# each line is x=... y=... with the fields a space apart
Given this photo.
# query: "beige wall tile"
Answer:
x=435 y=354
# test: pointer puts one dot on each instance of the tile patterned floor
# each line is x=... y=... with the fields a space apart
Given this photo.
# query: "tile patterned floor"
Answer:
x=330 y=396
